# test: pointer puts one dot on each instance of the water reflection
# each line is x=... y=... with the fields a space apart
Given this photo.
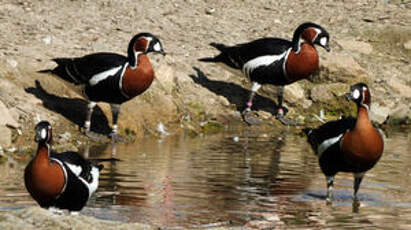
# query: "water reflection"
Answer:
x=205 y=180
x=242 y=177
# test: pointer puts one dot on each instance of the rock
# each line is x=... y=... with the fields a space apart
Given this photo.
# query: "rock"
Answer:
x=64 y=137
x=341 y=67
x=165 y=77
x=98 y=47
x=264 y=114
x=5 y=137
x=379 y=113
x=307 y=103
x=294 y=94
x=327 y=92
x=47 y=40
x=223 y=100
x=210 y=11
x=162 y=129
x=399 y=86
x=39 y=218
x=12 y=63
x=401 y=113
x=356 y=46
x=6 y=118
x=260 y=224
x=407 y=45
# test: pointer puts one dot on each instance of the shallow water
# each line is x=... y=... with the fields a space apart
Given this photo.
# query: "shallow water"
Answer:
x=260 y=180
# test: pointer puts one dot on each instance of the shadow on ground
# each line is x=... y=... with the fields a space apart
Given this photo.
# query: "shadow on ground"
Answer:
x=234 y=93
x=74 y=109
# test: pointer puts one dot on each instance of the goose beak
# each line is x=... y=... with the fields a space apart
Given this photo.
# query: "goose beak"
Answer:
x=349 y=97
x=162 y=52
x=327 y=48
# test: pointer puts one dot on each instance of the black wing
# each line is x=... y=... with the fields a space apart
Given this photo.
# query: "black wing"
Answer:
x=261 y=47
x=329 y=130
x=236 y=56
x=81 y=70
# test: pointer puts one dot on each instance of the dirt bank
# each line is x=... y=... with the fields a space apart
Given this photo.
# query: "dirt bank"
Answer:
x=369 y=40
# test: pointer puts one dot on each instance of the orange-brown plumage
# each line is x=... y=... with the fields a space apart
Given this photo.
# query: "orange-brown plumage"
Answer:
x=363 y=145
x=44 y=179
x=138 y=80
x=309 y=34
x=141 y=45
x=302 y=64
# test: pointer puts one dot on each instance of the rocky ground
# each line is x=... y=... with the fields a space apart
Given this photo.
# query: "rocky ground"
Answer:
x=37 y=218
x=370 y=42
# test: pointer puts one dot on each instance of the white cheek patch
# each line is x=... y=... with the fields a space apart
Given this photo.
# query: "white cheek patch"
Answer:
x=355 y=94
x=43 y=134
x=323 y=41
x=157 y=47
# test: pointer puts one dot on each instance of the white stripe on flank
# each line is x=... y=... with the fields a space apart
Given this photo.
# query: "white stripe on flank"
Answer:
x=285 y=62
x=92 y=187
x=261 y=61
x=76 y=169
x=103 y=75
x=326 y=144
x=120 y=83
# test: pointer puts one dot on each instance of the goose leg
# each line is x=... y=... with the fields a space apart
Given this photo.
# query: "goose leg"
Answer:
x=87 y=124
x=90 y=108
x=247 y=112
x=115 y=110
x=282 y=110
x=330 y=185
x=357 y=181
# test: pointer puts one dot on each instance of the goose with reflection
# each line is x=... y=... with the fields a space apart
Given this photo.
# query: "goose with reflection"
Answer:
x=350 y=144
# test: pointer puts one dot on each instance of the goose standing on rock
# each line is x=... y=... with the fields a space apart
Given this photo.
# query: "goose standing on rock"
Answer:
x=274 y=61
x=110 y=77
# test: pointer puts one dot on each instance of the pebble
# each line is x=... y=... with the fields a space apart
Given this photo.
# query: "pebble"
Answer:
x=47 y=40
x=65 y=136
x=210 y=11
x=12 y=149
x=162 y=129
x=12 y=63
